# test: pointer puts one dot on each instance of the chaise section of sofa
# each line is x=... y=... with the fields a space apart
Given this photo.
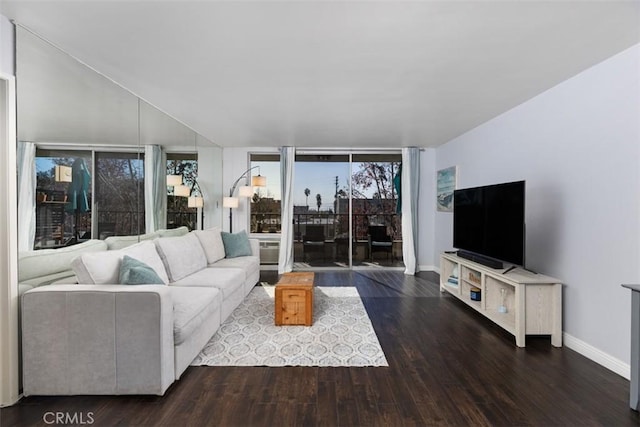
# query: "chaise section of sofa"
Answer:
x=113 y=339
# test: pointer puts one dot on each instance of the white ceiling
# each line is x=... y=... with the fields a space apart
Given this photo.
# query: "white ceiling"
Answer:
x=331 y=73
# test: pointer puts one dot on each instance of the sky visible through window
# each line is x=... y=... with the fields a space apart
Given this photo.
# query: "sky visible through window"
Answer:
x=318 y=177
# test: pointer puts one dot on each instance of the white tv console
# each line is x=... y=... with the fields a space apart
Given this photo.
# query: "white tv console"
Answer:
x=533 y=302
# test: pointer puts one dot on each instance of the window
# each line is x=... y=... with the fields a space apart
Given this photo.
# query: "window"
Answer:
x=265 y=207
x=119 y=201
x=178 y=213
x=67 y=209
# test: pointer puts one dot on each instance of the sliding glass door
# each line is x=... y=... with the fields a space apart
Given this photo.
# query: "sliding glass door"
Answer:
x=321 y=212
x=377 y=224
x=346 y=211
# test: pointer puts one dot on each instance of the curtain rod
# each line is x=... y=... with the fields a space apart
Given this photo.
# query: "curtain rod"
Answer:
x=78 y=146
x=86 y=147
x=340 y=151
x=349 y=150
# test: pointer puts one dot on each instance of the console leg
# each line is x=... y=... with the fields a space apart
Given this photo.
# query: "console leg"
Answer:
x=634 y=395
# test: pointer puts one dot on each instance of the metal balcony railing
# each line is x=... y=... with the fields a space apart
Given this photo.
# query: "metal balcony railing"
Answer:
x=334 y=225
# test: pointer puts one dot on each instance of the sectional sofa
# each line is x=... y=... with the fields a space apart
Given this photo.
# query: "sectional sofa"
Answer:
x=99 y=336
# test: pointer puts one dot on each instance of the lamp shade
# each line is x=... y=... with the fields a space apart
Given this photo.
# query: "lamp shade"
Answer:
x=259 y=181
x=63 y=173
x=230 y=202
x=181 y=190
x=245 y=191
x=195 y=202
x=173 y=180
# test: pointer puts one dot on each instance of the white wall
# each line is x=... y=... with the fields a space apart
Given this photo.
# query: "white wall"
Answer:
x=427 y=260
x=9 y=356
x=7 y=47
x=578 y=148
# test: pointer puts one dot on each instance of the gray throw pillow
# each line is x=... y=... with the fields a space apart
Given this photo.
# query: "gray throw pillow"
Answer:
x=134 y=272
x=236 y=244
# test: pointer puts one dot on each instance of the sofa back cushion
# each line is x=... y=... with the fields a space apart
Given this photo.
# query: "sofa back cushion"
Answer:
x=37 y=267
x=120 y=242
x=181 y=256
x=99 y=268
x=173 y=232
x=211 y=242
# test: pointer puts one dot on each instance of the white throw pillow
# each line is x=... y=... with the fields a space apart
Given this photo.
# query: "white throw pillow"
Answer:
x=181 y=256
x=100 y=268
x=211 y=241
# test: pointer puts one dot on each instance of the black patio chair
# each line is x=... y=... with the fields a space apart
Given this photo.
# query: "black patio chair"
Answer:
x=313 y=241
x=380 y=241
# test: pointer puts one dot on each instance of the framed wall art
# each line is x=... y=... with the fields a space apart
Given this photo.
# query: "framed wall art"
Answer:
x=445 y=184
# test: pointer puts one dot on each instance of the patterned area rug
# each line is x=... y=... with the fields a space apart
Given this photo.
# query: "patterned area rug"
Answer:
x=341 y=335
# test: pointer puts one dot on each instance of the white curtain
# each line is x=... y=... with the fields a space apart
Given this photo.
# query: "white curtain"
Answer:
x=409 y=194
x=285 y=256
x=155 y=188
x=26 y=195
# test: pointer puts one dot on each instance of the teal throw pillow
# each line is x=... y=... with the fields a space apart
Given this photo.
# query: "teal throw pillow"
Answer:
x=134 y=272
x=236 y=244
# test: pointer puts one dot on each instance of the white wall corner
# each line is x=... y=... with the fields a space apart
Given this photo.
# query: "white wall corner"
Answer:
x=597 y=355
x=9 y=355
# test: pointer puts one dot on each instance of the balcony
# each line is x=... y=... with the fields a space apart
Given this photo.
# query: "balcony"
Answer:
x=333 y=250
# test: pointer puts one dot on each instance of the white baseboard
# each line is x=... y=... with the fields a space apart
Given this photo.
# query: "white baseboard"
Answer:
x=597 y=355
x=429 y=268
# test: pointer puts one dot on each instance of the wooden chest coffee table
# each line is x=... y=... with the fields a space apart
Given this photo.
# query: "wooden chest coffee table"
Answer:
x=294 y=299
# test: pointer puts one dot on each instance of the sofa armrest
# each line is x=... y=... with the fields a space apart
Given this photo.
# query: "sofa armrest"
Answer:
x=97 y=339
x=255 y=247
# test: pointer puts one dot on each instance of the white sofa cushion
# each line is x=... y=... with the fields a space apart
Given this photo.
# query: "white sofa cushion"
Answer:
x=211 y=241
x=248 y=264
x=227 y=280
x=181 y=256
x=99 y=268
x=191 y=307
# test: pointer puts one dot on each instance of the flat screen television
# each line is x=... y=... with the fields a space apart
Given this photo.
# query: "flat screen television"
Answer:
x=488 y=223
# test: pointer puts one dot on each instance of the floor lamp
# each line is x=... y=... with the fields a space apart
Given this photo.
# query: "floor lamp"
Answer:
x=232 y=202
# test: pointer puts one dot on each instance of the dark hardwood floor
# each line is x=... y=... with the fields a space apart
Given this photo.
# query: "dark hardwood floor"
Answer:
x=447 y=366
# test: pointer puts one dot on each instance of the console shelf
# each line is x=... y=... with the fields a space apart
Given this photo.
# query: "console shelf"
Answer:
x=533 y=302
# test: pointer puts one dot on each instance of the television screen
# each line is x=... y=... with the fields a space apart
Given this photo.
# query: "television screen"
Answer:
x=489 y=221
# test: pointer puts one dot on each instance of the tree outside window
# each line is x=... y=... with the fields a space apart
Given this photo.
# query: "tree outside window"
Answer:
x=178 y=213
